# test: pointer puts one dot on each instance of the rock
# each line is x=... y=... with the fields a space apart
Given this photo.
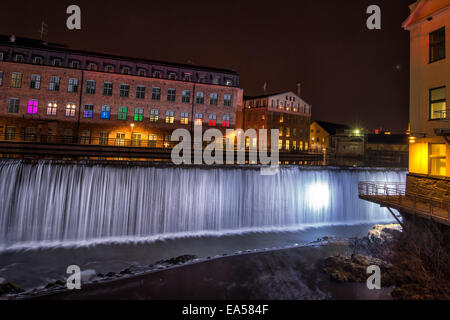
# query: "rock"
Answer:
x=178 y=260
x=9 y=288
x=111 y=274
x=2 y=281
x=126 y=271
x=100 y=275
x=384 y=233
x=58 y=283
x=87 y=275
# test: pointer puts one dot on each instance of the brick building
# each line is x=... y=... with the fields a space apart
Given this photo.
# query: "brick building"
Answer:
x=50 y=92
x=284 y=111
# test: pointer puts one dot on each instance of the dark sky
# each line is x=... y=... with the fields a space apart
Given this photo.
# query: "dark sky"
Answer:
x=349 y=74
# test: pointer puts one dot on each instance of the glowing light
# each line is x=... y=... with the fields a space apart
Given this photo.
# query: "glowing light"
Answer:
x=412 y=139
x=318 y=196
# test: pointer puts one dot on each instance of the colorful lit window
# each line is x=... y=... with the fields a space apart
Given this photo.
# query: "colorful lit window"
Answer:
x=226 y=121
x=280 y=144
x=16 y=80
x=106 y=112
x=198 y=119
x=32 y=106
x=122 y=114
x=212 y=120
x=184 y=118
x=88 y=111
x=154 y=115
x=70 y=110
x=169 y=116
x=51 y=108
x=138 y=114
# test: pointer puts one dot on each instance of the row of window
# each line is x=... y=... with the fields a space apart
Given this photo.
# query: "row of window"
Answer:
x=75 y=64
x=138 y=116
x=124 y=90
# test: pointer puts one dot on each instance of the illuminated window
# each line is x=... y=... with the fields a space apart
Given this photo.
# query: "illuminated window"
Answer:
x=138 y=114
x=136 y=139
x=169 y=116
x=88 y=111
x=156 y=93
x=281 y=131
x=288 y=132
x=16 y=80
x=186 y=98
x=85 y=137
x=227 y=100
x=213 y=99
x=32 y=106
x=54 y=84
x=90 y=86
x=300 y=146
x=70 y=110
x=437 y=45
x=287 y=144
x=35 y=81
x=109 y=68
x=122 y=114
x=13 y=105
x=280 y=144
x=107 y=88
x=120 y=139
x=281 y=118
x=124 y=90
x=154 y=115
x=294 y=145
x=106 y=112
x=198 y=119
x=306 y=146
x=73 y=85
x=171 y=95
x=184 y=117
x=437 y=159
x=152 y=140
x=438 y=103
x=212 y=120
x=228 y=82
x=51 y=108
x=226 y=121
x=140 y=92
x=200 y=98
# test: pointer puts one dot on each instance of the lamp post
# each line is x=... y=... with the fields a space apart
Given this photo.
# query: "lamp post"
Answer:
x=132 y=128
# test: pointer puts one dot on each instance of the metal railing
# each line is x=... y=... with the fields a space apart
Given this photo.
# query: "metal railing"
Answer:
x=396 y=193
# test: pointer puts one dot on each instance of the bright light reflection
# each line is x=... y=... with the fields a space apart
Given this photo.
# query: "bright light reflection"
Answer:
x=318 y=195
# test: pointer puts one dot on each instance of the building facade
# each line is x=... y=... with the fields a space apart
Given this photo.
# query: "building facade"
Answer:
x=49 y=92
x=285 y=111
x=428 y=25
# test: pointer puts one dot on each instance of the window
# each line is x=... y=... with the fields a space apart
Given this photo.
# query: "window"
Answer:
x=92 y=66
x=154 y=115
x=227 y=100
x=437 y=45
x=213 y=99
x=120 y=139
x=16 y=80
x=186 y=98
x=281 y=131
x=88 y=111
x=103 y=137
x=437 y=159
x=13 y=105
x=10 y=133
x=171 y=95
x=287 y=144
x=109 y=68
x=73 y=85
x=70 y=110
x=198 y=119
x=75 y=64
x=1 y=78
x=138 y=114
x=156 y=74
x=54 y=84
x=288 y=132
x=280 y=144
x=142 y=72
x=202 y=79
x=136 y=139
x=122 y=114
x=187 y=77
x=56 y=62
x=200 y=99
x=51 y=108
x=90 y=86
x=215 y=80
x=35 y=81
x=294 y=145
x=281 y=118
x=37 y=60
x=184 y=118
x=68 y=135
x=32 y=106
x=169 y=116
x=438 y=104
x=228 y=82
x=30 y=134
x=106 y=112
x=172 y=76
x=156 y=93
x=125 y=70
x=19 y=58
x=226 y=121
x=152 y=139
x=124 y=90
x=1 y=56
x=107 y=88
x=85 y=137
x=140 y=92
x=212 y=120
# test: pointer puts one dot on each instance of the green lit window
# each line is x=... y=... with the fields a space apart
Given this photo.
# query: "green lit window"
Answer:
x=122 y=114
x=138 y=114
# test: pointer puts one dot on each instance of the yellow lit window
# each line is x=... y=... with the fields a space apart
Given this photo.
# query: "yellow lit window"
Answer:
x=437 y=159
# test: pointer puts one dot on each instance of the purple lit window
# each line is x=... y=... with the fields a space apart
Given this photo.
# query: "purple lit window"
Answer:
x=33 y=106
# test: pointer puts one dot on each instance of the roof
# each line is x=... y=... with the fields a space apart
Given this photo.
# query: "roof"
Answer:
x=387 y=138
x=422 y=9
x=265 y=95
x=332 y=128
x=39 y=44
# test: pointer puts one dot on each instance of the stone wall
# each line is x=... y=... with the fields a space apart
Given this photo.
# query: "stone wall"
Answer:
x=429 y=186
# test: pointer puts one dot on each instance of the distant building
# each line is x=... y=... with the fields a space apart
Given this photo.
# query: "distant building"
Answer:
x=323 y=134
x=387 y=142
x=285 y=111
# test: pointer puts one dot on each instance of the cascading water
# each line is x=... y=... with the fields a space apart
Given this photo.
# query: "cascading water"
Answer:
x=50 y=201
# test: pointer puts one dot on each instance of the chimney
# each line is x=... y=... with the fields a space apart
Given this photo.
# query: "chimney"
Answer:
x=299 y=89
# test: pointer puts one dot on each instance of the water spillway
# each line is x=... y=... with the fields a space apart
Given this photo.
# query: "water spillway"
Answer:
x=57 y=202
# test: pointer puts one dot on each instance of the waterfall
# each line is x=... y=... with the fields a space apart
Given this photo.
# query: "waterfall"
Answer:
x=52 y=201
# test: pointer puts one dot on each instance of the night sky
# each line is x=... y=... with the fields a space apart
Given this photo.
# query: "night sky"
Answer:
x=349 y=74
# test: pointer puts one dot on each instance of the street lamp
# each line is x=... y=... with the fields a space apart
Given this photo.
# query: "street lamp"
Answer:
x=132 y=128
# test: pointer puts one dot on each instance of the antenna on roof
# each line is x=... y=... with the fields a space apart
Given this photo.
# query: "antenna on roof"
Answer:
x=43 y=30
